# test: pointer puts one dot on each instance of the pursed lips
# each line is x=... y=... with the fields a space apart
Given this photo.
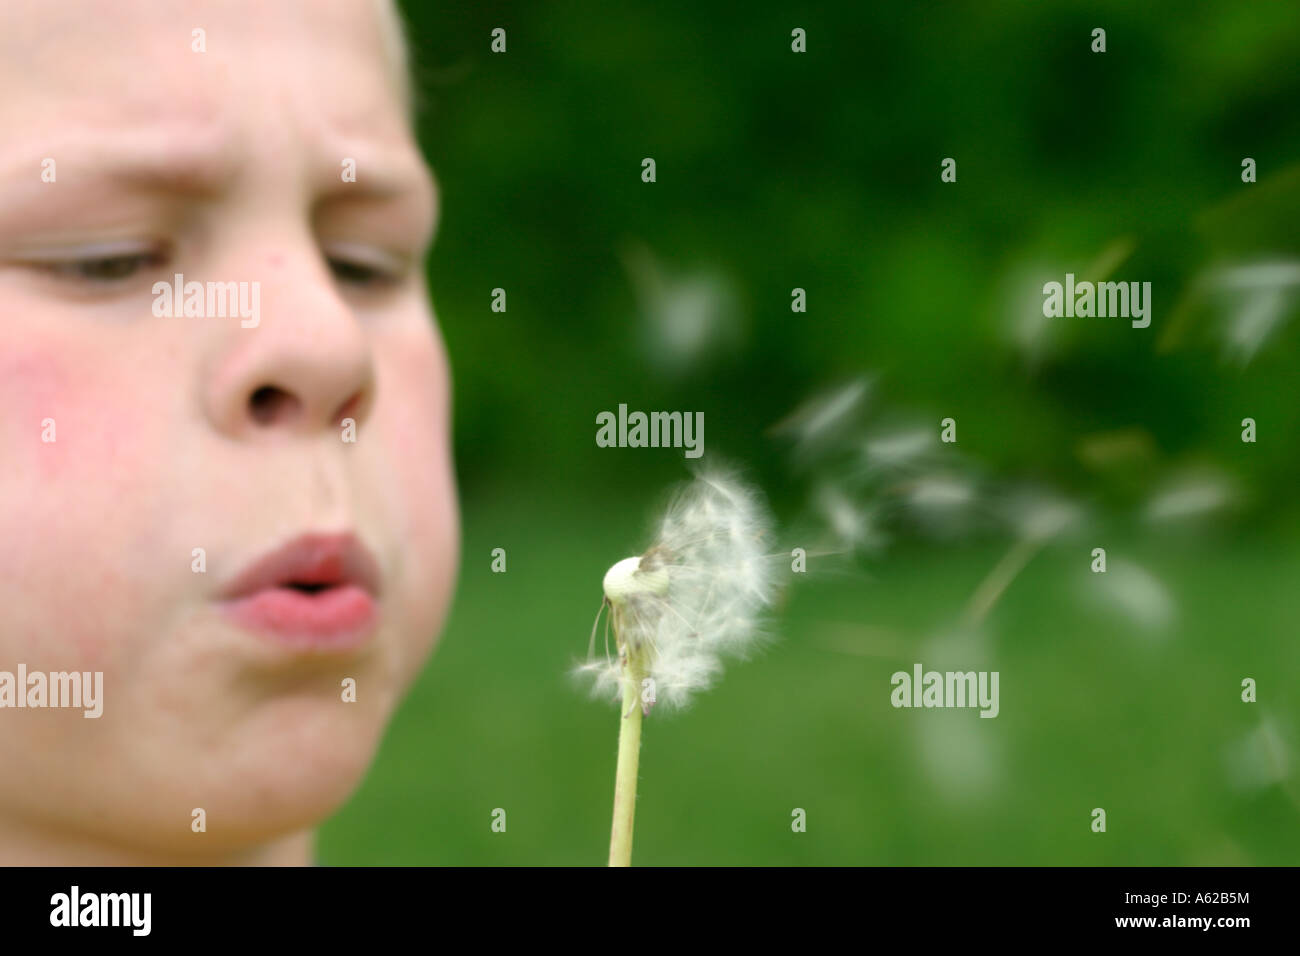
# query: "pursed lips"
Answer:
x=317 y=592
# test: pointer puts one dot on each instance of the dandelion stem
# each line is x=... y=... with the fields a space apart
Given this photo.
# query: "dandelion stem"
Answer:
x=999 y=579
x=629 y=754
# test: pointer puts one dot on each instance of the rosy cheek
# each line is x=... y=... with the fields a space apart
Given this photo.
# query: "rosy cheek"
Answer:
x=62 y=505
x=35 y=389
x=69 y=423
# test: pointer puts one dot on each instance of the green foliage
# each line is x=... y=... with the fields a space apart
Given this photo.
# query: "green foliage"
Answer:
x=821 y=171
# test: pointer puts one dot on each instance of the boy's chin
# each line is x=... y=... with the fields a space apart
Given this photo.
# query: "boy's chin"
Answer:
x=247 y=813
x=287 y=787
x=227 y=804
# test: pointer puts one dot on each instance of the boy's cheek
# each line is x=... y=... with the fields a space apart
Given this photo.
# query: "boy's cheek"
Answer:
x=423 y=508
x=77 y=460
x=69 y=423
x=34 y=389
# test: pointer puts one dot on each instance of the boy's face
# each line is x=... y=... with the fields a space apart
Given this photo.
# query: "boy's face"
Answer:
x=173 y=433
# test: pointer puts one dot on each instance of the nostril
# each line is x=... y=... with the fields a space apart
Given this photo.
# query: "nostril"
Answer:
x=270 y=404
x=349 y=409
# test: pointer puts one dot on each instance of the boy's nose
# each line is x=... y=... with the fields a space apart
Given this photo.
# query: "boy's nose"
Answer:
x=304 y=365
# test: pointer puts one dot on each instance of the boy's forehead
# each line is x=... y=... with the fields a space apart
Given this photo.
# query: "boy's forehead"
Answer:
x=199 y=62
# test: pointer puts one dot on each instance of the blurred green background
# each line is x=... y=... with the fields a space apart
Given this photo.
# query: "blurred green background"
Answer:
x=821 y=171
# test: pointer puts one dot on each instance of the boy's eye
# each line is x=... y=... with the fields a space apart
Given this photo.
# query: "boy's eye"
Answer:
x=367 y=271
x=364 y=267
x=105 y=269
x=360 y=273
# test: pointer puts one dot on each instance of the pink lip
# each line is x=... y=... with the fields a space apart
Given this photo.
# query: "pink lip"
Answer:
x=316 y=592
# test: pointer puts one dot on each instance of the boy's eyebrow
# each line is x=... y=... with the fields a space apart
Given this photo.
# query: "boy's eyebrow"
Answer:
x=143 y=160
x=196 y=168
x=379 y=177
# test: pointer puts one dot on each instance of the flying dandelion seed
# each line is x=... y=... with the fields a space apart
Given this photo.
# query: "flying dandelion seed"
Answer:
x=852 y=527
x=678 y=611
x=1022 y=325
x=940 y=493
x=1257 y=299
x=1038 y=514
x=1135 y=594
x=940 y=504
x=685 y=319
x=899 y=449
x=963 y=761
x=1191 y=496
x=1259 y=759
x=819 y=426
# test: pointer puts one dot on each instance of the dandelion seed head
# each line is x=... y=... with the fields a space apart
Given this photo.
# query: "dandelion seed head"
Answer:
x=628 y=579
x=697 y=595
